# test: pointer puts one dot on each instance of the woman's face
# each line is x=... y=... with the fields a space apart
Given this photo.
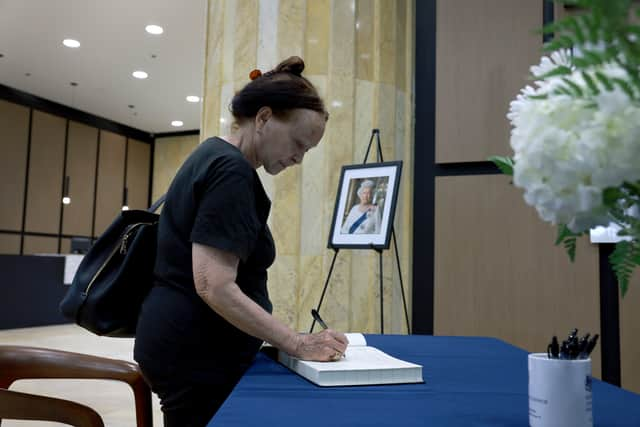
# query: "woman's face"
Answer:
x=283 y=142
x=365 y=195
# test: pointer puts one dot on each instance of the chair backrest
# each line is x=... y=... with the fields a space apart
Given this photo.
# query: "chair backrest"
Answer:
x=18 y=362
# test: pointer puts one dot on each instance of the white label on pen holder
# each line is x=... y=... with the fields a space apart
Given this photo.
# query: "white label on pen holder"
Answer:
x=559 y=392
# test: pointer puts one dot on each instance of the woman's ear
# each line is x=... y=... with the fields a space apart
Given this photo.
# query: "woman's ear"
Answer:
x=262 y=116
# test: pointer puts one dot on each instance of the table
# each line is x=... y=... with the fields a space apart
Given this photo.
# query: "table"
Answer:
x=469 y=381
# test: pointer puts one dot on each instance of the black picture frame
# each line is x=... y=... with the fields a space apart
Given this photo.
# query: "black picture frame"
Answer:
x=354 y=226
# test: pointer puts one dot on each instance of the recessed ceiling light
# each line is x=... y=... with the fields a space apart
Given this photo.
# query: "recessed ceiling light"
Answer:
x=1 y=55
x=140 y=74
x=154 y=29
x=177 y=123
x=193 y=98
x=71 y=43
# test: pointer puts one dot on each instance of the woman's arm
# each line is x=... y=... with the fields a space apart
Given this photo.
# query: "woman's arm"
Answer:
x=214 y=273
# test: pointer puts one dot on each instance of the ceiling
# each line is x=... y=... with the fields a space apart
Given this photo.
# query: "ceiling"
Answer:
x=114 y=43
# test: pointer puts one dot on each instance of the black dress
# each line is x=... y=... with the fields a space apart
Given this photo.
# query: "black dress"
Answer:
x=189 y=354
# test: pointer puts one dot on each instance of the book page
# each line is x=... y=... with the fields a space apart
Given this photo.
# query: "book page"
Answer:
x=361 y=358
x=356 y=339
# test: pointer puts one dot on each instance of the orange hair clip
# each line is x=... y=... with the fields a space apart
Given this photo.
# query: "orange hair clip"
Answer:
x=255 y=74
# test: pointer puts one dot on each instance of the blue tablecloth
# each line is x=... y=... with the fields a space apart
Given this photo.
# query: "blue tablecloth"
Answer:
x=469 y=381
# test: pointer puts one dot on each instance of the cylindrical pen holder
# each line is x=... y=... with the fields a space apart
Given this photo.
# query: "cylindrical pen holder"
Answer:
x=559 y=392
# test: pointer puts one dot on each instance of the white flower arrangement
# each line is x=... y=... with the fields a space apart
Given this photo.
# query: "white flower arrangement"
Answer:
x=576 y=131
x=568 y=150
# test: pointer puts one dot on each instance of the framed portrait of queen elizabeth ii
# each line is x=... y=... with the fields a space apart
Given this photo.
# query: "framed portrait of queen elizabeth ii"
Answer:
x=365 y=206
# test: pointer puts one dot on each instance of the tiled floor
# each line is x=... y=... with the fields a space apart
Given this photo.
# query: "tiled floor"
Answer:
x=113 y=400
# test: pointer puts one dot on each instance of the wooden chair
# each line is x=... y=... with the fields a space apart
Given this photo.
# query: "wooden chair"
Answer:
x=17 y=362
x=23 y=406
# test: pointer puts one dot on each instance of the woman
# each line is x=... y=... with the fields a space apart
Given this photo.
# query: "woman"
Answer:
x=363 y=218
x=209 y=311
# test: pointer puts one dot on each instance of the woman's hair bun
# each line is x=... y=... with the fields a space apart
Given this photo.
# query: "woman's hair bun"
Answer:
x=293 y=65
x=282 y=89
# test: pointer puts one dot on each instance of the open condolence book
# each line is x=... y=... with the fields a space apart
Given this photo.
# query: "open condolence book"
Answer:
x=362 y=365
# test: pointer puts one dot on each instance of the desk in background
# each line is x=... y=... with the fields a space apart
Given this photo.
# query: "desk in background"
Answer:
x=31 y=288
x=469 y=381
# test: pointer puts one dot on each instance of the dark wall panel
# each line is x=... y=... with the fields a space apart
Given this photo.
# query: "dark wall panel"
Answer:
x=40 y=245
x=138 y=163
x=14 y=134
x=44 y=195
x=110 y=179
x=484 y=49
x=9 y=244
x=82 y=150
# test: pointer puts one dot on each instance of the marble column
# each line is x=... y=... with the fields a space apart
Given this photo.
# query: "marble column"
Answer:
x=359 y=54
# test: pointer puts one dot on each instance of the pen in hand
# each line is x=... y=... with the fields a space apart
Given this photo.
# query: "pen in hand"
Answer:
x=318 y=319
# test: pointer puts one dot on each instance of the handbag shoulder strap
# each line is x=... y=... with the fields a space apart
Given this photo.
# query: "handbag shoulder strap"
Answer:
x=154 y=207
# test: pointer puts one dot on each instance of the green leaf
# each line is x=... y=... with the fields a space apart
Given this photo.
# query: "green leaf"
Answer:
x=552 y=46
x=611 y=195
x=593 y=57
x=624 y=258
x=634 y=76
x=563 y=232
x=610 y=52
x=566 y=41
x=505 y=164
x=633 y=188
x=604 y=80
x=559 y=42
x=562 y=90
x=549 y=28
x=592 y=27
x=577 y=31
x=567 y=238
x=577 y=90
x=591 y=83
x=538 y=97
x=561 y=70
x=622 y=84
x=581 y=63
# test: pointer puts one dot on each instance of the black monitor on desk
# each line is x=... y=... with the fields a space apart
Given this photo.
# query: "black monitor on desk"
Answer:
x=80 y=245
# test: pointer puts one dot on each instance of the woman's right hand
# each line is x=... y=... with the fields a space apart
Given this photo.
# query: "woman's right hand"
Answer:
x=328 y=345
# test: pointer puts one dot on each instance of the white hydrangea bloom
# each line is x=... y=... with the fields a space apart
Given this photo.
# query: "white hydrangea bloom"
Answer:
x=548 y=63
x=568 y=150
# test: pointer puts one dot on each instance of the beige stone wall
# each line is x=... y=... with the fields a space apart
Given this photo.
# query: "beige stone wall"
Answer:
x=359 y=54
x=168 y=155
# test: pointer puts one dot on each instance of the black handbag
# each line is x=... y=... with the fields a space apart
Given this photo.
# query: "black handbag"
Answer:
x=115 y=275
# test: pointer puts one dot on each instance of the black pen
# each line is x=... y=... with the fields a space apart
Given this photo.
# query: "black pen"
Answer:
x=590 y=346
x=553 y=350
x=318 y=319
x=582 y=344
